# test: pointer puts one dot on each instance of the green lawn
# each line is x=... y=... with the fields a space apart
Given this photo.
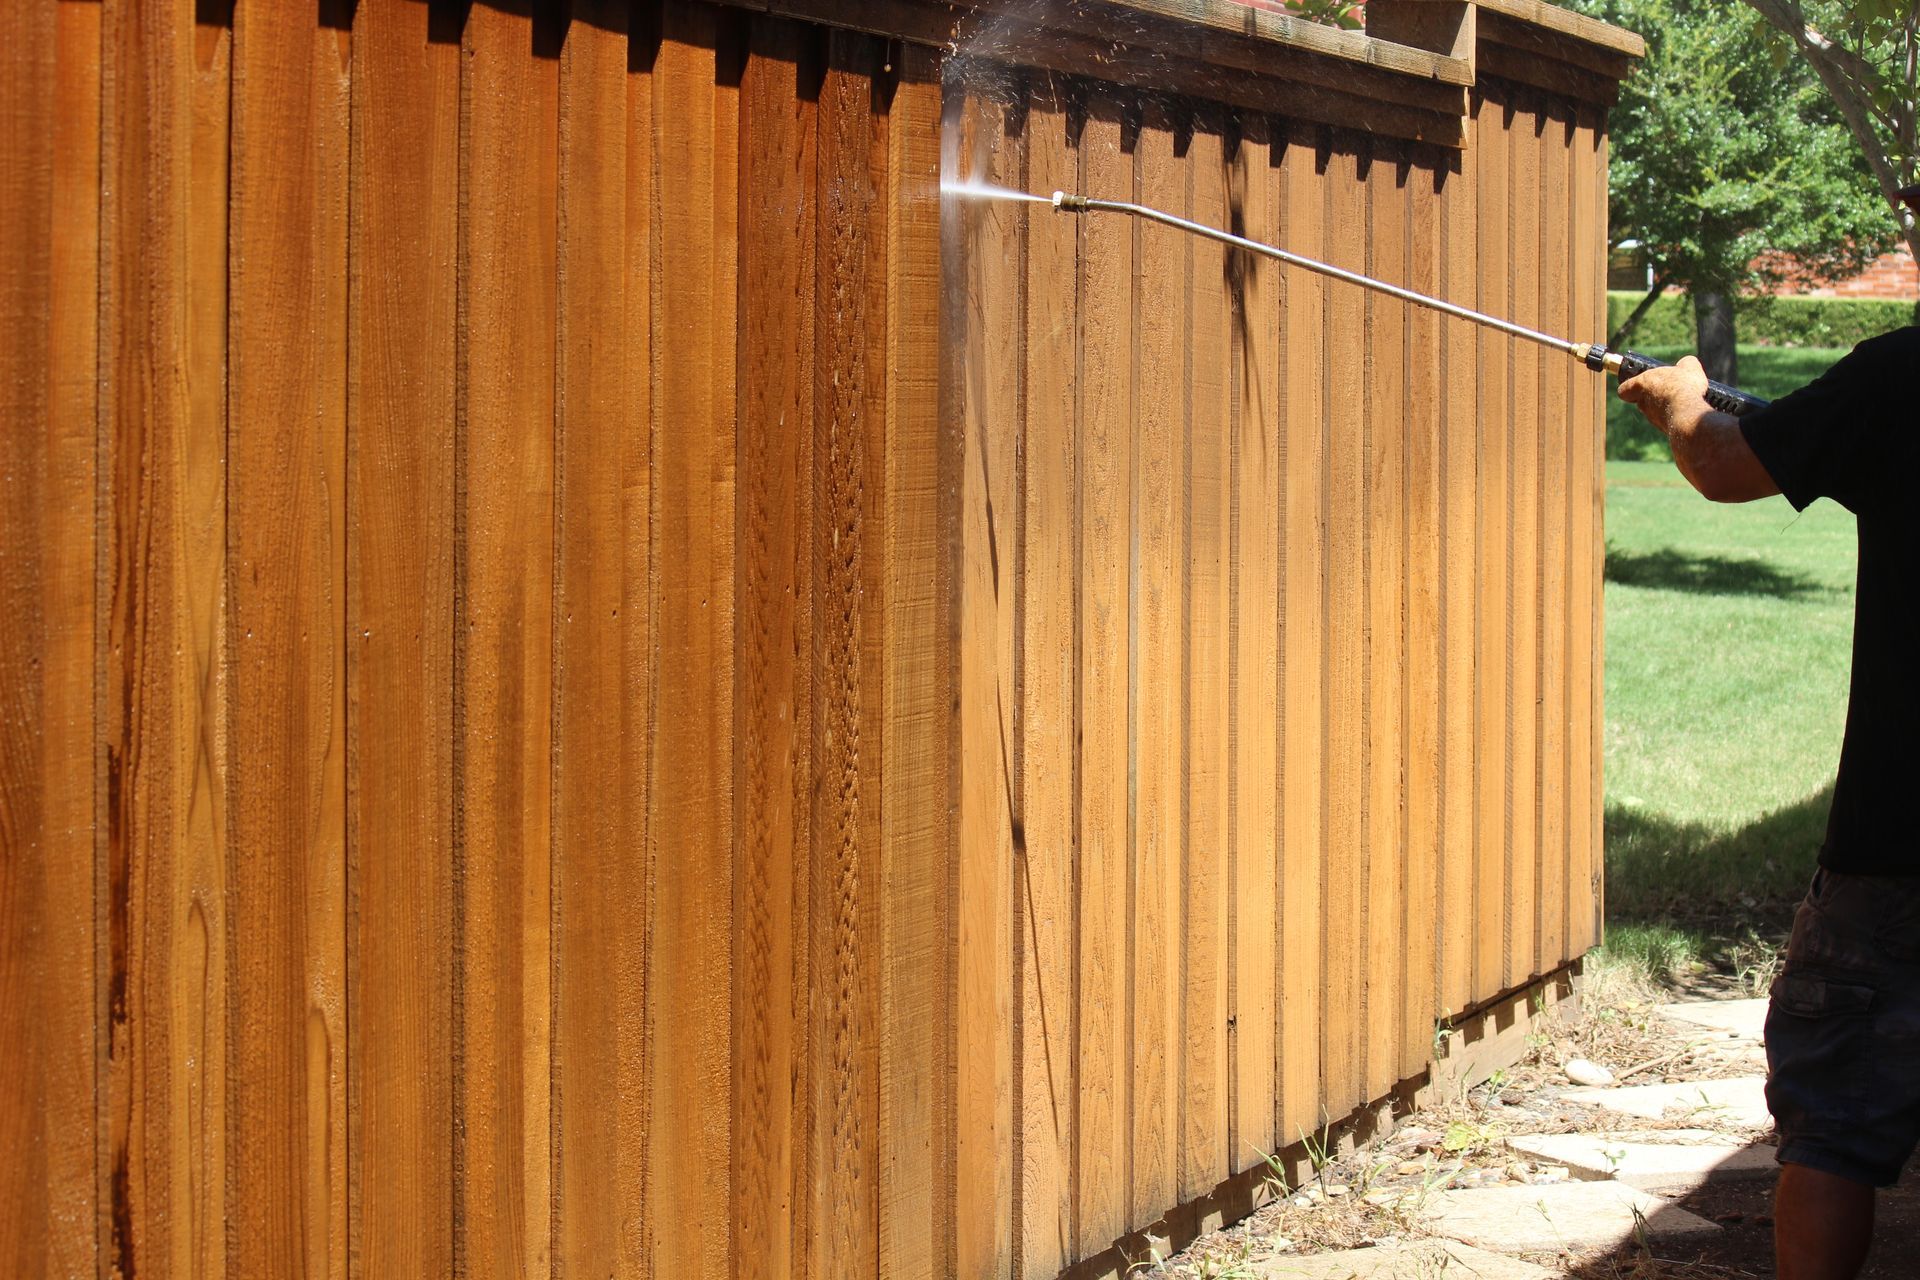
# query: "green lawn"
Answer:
x=1728 y=642
x=1764 y=371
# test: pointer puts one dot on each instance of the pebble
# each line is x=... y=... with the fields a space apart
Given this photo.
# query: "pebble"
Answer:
x=1300 y=1202
x=1590 y=1074
x=1547 y=1174
x=1338 y=1189
x=1422 y=1139
x=1412 y=1166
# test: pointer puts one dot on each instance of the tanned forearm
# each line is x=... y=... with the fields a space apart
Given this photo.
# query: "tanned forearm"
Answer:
x=1708 y=446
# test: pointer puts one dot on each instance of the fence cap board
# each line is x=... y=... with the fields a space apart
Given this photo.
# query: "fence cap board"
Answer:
x=1273 y=62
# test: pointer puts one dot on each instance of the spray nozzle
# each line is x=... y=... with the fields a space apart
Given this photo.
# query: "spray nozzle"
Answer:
x=1069 y=204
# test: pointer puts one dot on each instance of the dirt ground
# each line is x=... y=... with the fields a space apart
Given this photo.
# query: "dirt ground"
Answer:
x=1371 y=1196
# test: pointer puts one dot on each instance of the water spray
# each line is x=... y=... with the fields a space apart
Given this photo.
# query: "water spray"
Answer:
x=1622 y=364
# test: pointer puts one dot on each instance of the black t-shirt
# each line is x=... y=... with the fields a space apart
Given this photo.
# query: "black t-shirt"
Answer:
x=1849 y=436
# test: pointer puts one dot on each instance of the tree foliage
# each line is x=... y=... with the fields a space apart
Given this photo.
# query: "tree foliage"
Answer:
x=1866 y=54
x=1731 y=169
x=1335 y=13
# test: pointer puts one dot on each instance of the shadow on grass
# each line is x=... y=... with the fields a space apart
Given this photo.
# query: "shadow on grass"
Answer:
x=1658 y=868
x=1670 y=569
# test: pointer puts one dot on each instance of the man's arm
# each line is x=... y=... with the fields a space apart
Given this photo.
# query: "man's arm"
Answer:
x=1708 y=446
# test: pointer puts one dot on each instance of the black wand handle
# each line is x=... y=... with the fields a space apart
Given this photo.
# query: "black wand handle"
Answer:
x=1721 y=396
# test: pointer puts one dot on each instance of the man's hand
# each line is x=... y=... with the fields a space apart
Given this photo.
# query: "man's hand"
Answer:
x=1708 y=446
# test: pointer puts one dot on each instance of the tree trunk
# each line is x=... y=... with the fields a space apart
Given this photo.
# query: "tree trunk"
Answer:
x=1713 y=314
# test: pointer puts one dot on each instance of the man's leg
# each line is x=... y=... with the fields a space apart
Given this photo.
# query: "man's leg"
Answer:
x=1822 y=1224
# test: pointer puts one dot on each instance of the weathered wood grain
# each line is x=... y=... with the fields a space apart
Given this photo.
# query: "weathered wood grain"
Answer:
x=1586 y=448
x=1302 y=707
x=1208 y=1087
x=1049 y=715
x=504 y=650
x=774 y=612
x=1105 y=415
x=400 y=540
x=1156 y=623
x=1254 y=1009
x=991 y=392
x=917 y=786
x=690 y=825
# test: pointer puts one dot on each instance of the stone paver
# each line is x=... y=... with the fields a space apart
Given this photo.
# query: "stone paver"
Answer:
x=1417 y=1260
x=1738 y=1103
x=1745 y=1019
x=1668 y=1162
x=1576 y=1216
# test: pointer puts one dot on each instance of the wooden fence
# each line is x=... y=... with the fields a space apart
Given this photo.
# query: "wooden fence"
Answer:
x=597 y=681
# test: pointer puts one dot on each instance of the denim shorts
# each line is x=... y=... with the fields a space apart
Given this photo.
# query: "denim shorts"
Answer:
x=1843 y=1030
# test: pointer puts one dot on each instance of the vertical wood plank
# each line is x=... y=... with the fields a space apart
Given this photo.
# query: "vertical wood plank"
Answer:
x=1493 y=532
x=1303 y=759
x=1105 y=395
x=1049 y=715
x=1425 y=581
x=991 y=396
x=1347 y=502
x=1156 y=623
x=400 y=486
x=504 y=634
x=1523 y=607
x=1384 y=554
x=597 y=886
x=639 y=609
x=848 y=428
x=1556 y=392
x=1209 y=426
x=1586 y=446
x=286 y=506
x=1254 y=1015
x=49 y=218
x=690 y=803
x=915 y=851
x=1458 y=427
x=775 y=447
x=201 y=1090
x=1596 y=562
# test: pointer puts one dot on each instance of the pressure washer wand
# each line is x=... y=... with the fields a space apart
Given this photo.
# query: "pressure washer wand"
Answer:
x=1622 y=364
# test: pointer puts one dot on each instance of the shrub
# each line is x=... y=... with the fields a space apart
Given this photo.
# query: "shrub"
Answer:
x=1767 y=322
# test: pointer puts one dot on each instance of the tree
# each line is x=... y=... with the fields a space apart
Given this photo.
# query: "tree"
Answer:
x=1733 y=172
x=1867 y=56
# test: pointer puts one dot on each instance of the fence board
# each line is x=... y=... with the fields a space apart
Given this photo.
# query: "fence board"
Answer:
x=1385 y=535
x=914 y=849
x=1459 y=367
x=1343 y=1058
x=1254 y=1011
x=1303 y=724
x=146 y=731
x=690 y=800
x=1106 y=292
x=1156 y=624
x=1523 y=711
x=1425 y=582
x=400 y=484
x=1556 y=396
x=989 y=744
x=285 y=498
x=1493 y=513
x=1049 y=716
x=1208 y=1087
x=1586 y=447
x=776 y=612
x=597 y=1133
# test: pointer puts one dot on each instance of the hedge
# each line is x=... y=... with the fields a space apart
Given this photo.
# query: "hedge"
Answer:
x=1766 y=322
